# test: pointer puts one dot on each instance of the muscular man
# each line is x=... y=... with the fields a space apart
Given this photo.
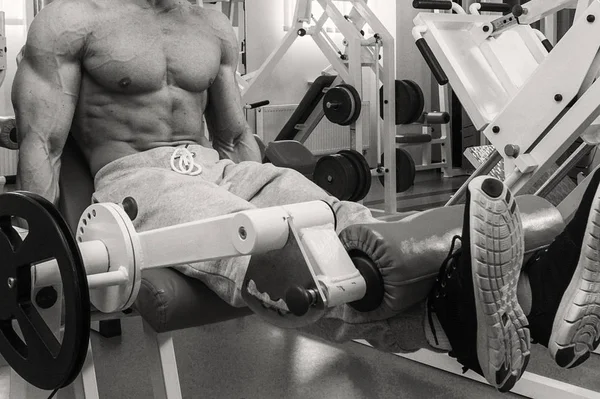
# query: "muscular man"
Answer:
x=133 y=80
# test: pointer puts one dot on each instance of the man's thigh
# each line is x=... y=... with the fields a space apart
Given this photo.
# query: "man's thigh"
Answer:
x=266 y=185
x=167 y=198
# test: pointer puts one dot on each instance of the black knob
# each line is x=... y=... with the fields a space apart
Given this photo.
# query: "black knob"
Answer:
x=130 y=207
x=12 y=135
x=299 y=299
x=517 y=10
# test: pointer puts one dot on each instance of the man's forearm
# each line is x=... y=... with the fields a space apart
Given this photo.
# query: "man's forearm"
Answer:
x=244 y=148
x=38 y=172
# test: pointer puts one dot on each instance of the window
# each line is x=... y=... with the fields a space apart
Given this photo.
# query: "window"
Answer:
x=14 y=11
x=289 y=6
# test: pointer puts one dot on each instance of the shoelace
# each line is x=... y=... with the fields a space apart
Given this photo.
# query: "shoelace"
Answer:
x=451 y=255
x=182 y=161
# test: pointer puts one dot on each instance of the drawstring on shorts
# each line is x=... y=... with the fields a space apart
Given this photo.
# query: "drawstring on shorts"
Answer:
x=182 y=161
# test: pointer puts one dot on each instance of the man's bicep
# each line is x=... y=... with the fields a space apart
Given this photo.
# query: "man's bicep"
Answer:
x=224 y=113
x=46 y=85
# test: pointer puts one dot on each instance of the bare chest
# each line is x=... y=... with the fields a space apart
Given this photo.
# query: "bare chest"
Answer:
x=145 y=54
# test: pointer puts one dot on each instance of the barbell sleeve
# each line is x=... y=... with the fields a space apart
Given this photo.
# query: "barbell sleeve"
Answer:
x=95 y=259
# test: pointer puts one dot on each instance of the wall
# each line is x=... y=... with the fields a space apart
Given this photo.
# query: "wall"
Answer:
x=16 y=32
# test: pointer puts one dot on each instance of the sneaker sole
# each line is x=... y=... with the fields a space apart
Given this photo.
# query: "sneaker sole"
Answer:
x=497 y=248
x=576 y=327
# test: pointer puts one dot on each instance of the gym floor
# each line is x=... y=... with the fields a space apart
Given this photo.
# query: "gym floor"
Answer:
x=248 y=359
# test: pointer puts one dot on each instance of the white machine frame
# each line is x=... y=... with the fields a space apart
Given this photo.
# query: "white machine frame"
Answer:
x=523 y=106
x=359 y=52
x=3 y=56
x=114 y=256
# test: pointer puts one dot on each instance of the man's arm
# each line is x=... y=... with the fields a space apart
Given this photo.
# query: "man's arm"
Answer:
x=44 y=95
x=230 y=133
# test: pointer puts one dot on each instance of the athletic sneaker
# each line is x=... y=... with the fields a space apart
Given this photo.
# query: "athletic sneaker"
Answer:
x=565 y=286
x=475 y=294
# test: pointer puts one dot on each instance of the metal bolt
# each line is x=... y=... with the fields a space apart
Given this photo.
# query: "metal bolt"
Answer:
x=242 y=232
x=591 y=18
x=511 y=150
x=496 y=129
x=558 y=98
x=11 y=282
x=329 y=179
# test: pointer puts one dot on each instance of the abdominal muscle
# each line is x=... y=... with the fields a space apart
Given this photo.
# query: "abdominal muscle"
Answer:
x=109 y=126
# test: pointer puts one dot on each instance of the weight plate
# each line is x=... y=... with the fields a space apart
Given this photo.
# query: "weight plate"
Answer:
x=363 y=172
x=336 y=175
x=418 y=100
x=40 y=358
x=357 y=103
x=342 y=105
x=405 y=170
x=409 y=100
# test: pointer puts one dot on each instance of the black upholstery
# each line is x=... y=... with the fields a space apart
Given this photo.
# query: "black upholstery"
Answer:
x=167 y=299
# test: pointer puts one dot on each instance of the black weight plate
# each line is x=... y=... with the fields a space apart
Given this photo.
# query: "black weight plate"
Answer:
x=336 y=175
x=419 y=100
x=405 y=170
x=342 y=105
x=364 y=173
x=40 y=358
x=407 y=102
x=357 y=103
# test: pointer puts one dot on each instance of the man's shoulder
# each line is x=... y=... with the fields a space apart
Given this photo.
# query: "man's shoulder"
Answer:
x=214 y=19
x=70 y=9
x=66 y=14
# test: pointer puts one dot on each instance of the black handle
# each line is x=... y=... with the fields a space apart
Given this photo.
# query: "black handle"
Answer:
x=299 y=300
x=518 y=10
x=495 y=7
x=257 y=104
x=547 y=45
x=130 y=207
x=432 y=4
x=10 y=179
x=432 y=62
x=436 y=118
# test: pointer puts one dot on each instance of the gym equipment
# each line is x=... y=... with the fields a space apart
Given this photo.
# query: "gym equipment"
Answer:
x=40 y=358
x=108 y=256
x=2 y=48
x=376 y=52
x=8 y=133
x=342 y=104
x=405 y=170
x=409 y=102
x=530 y=104
x=345 y=175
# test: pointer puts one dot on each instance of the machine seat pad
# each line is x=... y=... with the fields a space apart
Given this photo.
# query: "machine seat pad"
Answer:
x=170 y=301
x=409 y=252
x=291 y=154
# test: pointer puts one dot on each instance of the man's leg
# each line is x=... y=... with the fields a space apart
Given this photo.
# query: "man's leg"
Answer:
x=565 y=286
x=473 y=309
x=167 y=198
x=265 y=185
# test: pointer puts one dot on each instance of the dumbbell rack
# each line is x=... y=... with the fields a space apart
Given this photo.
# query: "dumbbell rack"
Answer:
x=359 y=52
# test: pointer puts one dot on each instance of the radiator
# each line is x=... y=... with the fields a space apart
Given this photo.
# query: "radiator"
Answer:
x=327 y=138
x=8 y=162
